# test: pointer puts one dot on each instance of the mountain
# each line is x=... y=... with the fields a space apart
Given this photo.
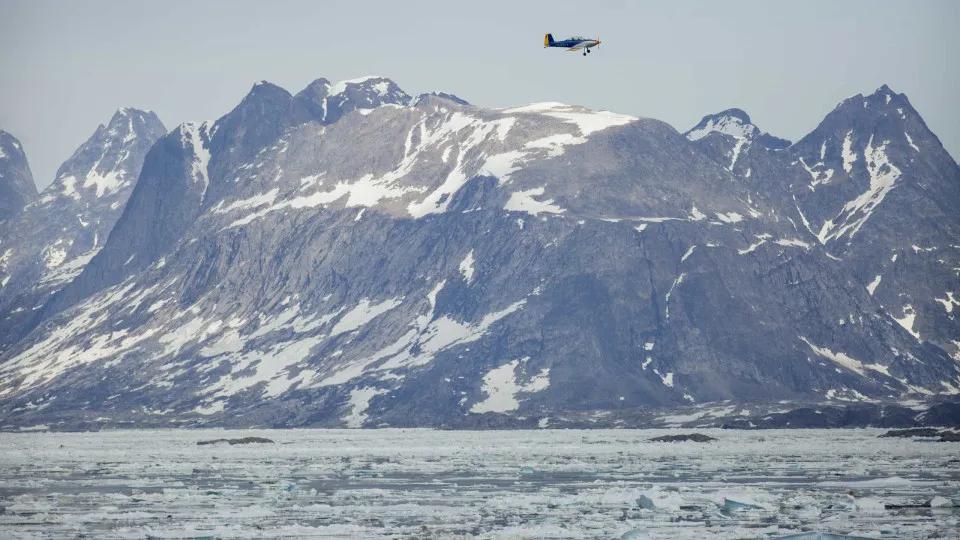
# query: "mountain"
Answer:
x=49 y=242
x=875 y=187
x=16 y=182
x=426 y=262
x=326 y=103
x=883 y=194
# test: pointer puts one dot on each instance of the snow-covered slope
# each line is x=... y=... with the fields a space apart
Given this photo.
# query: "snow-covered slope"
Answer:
x=428 y=262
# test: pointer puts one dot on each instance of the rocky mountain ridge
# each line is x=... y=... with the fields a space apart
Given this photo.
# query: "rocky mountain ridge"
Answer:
x=16 y=181
x=352 y=256
x=49 y=242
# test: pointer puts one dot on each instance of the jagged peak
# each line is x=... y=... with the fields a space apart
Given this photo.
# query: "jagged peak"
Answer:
x=260 y=102
x=6 y=136
x=441 y=95
x=129 y=119
x=367 y=80
x=733 y=122
x=884 y=110
x=737 y=124
x=267 y=89
x=739 y=114
x=319 y=86
x=440 y=99
x=103 y=162
x=884 y=89
x=125 y=112
x=881 y=97
x=885 y=93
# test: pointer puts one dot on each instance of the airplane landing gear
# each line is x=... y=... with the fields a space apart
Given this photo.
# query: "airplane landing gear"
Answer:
x=584 y=53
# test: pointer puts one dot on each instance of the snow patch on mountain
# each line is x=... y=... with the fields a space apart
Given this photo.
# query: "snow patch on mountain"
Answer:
x=273 y=364
x=731 y=125
x=872 y=286
x=838 y=357
x=847 y=153
x=363 y=314
x=501 y=387
x=249 y=203
x=762 y=240
x=341 y=86
x=883 y=178
x=729 y=217
x=736 y=153
x=666 y=300
x=359 y=402
x=592 y=121
x=909 y=317
x=949 y=302
x=819 y=175
x=523 y=201
x=466 y=267
x=427 y=336
x=106 y=183
x=792 y=242
x=910 y=142
x=192 y=137
x=66 y=271
x=438 y=200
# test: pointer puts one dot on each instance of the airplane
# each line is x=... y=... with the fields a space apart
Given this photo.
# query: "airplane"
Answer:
x=575 y=43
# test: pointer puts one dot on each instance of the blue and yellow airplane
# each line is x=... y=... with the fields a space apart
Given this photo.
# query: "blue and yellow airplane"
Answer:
x=575 y=43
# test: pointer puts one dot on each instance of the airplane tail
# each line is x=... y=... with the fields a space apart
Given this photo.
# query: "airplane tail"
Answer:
x=548 y=40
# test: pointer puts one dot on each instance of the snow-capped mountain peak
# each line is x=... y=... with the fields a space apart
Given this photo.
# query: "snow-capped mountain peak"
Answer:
x=728 y=136
x=732 y=122
x=363 y=93
x=379 y=84
x=51 y=240
x=109 y=160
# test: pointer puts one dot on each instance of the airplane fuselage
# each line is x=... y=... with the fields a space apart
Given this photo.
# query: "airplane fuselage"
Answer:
x=571 y=44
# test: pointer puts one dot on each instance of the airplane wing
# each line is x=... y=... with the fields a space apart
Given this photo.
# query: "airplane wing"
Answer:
x=576 y=47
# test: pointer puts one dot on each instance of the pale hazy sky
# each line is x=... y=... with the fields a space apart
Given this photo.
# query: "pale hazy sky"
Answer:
x=67 y=66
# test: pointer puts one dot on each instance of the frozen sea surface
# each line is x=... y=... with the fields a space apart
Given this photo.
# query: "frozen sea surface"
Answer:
x=491 y=484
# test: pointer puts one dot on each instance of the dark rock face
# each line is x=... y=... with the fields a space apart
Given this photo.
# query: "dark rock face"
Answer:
x=16 y=182
x=943 y=414
x=49 y=242
x=888 y=170
x=693 y=437
x=914 y=432
x=351 y=257
x=945 y=435
x=877 y=191
x=456 y=99
x=231 y=442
